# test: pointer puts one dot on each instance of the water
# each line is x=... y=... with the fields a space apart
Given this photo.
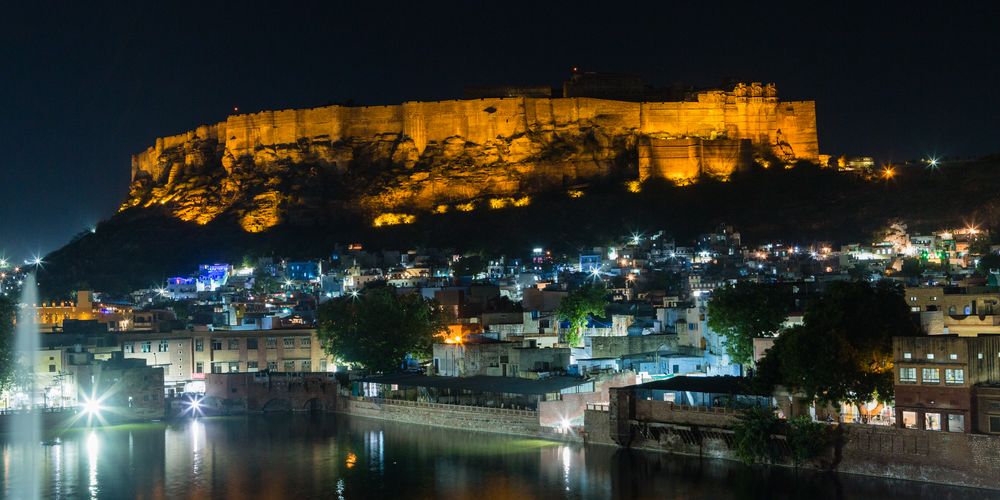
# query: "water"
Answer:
x=350 y=457
x=26 y=429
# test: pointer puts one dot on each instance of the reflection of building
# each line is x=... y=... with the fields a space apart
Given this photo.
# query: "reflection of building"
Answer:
x=948 y=383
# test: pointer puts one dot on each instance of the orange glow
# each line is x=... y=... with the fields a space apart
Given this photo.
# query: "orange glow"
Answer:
x=352 y=459
x=888 y=172
x=392 y=219
x=633 y=186
x=573 y=193
x=441 y=209
x=466 y=207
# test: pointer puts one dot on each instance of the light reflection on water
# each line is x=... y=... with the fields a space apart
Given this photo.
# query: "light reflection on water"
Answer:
x=328 y=457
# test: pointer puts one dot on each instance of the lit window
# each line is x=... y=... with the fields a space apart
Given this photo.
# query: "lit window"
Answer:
x=930 y=355
x=954 y=376
x=270 y=342
x=930 y=375
x=980 y=356
x=932 y=421
x=908 y=375
x=272 y=365
x=907 y=355
x=289 y=342
x=147 y=347
x=910 y=419
x=953 y=356
x=289 y=366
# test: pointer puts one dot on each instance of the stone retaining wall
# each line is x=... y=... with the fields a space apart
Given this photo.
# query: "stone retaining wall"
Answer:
x=504 y=421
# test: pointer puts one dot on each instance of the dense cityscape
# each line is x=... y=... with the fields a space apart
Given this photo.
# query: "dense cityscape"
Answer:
x=328 y=251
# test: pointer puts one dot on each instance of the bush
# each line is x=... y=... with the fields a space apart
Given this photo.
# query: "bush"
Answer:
x=753 y=436
x=806 y=439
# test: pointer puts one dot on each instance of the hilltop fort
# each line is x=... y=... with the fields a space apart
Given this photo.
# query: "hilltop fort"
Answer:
x=503 y=143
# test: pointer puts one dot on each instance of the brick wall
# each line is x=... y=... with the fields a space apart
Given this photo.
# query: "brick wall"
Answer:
x=517 y=422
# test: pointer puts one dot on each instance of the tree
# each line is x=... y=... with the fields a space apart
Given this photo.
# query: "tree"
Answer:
x=7 y=358
x=753 y=436
x=912 y=267
x=843 y=351
x=746 y=311
x=806 y=438
x=378 y=328
x=988 y=263
x=582 y=303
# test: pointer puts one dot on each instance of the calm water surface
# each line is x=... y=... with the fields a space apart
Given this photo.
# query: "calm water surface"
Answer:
x=349 y=457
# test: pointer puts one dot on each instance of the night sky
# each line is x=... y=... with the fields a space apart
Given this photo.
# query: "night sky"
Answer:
x=83 y=87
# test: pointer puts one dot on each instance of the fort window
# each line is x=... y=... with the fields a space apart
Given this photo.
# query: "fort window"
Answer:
x=930 y=375
x=954 y=376
x=906 y=375
x=953 y=356
x=930 y=355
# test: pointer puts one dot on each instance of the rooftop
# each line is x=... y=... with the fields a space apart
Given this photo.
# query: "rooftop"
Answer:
x=712 y=385
x=480 y=383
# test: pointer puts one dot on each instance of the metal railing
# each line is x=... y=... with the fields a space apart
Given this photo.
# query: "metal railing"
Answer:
x=441 y=406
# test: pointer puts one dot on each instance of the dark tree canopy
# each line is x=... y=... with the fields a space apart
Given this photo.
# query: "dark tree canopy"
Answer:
x=843 y=352
x=379 y=327
x=746 y=311
x=582 y=303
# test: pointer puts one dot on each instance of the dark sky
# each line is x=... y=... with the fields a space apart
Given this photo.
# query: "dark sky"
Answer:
x=84 y=86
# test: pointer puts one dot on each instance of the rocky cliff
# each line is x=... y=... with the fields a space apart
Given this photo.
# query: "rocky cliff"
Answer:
x=393 y=163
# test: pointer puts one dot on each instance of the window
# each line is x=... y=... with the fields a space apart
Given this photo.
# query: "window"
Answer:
x=289 y=366
x=954 y=376
x=252 y=344
x=908 y=375
x=234 y=344
x=147 y=347
x=52 y=368
x=272 y=365
x=932 y=421
x=930 y=355
x=199 y=367
x=913 y=298
x=307 y=366
x=305 y=342
x=251 y=366
x=322 y=365
x=910 y=419
x=907 y=355
x=956 y=423
x=930 y=375
x=216 y=344
x=129 y=348
x=199 y=345
x=994 y=424
x=953 y=356
x=980 y=356
x=289 y=342
x=234 y=366
x=216 y=367
x=270 y=342
x=164 y=346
